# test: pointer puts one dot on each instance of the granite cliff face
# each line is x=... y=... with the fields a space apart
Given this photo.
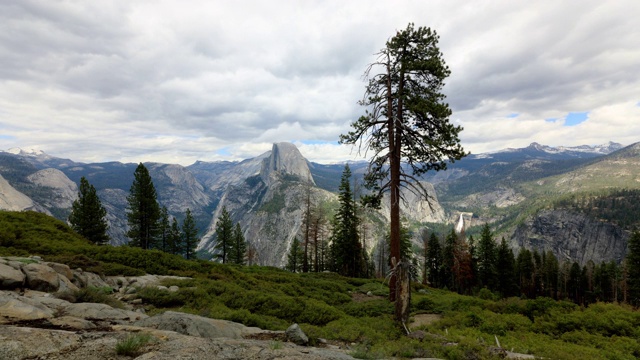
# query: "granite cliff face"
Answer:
x=12 y=199
x=572 y=236
x=268 y=203
x=63 y=192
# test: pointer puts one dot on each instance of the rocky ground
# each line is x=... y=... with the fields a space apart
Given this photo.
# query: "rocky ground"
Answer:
x=38 y=323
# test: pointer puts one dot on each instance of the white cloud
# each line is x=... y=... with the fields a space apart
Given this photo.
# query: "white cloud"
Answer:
x=173 y=81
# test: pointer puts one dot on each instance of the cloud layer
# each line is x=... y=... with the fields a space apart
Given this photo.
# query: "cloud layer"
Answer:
x=175 y=81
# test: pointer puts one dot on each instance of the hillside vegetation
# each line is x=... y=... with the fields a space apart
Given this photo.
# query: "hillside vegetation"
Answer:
x=338 y=309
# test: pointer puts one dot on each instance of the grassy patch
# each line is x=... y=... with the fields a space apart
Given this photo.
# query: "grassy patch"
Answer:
x=132 y=345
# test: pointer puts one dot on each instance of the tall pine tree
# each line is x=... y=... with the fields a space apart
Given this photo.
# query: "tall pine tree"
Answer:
x=238 y=249
x=224 y=236
x=143 y=213
x=295 y=256
x=175 y=244
x=434 y=261
x=633 y=269
x=189 y=236
x=88 y=216
x=165 y=230
x=346 y=250
x=486 y=258
x=506 y=262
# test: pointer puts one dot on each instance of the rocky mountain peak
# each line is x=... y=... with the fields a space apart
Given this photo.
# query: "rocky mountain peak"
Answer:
x=285 y=159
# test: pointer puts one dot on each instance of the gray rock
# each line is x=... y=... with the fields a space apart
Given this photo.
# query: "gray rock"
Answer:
x=41 y=277
x=61 y=269
x=12 y=309
x=87 y=279
x=173 y=288
x=66 y=284
x=72 y=323
x=10 y=278
x=572 y=236
x=296 y=335
x=30 y=343
x=101 y=312
x=194 y=325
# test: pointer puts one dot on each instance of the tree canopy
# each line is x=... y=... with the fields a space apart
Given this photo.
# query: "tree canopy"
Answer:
x=406 y=121
x=143 y=215
x=88 y=216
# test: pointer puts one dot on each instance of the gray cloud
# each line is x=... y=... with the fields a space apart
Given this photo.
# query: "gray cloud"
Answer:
x=178 y=81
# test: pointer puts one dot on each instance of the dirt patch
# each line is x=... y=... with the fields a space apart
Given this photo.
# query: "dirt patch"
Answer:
x=423 y=319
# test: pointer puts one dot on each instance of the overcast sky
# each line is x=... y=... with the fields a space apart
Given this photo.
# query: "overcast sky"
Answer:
x=179 y=81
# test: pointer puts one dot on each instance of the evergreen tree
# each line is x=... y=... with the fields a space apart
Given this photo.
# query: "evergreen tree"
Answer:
x=525 y=271
x=143 y=213
x=224 y=236
x=633 y=269
x=486 y=259
x=506 y=262
x=346 y=248
x=238 y=248
x=434 y=261
x=550 y=274
x=175 y=244
x=189 y=236
x=165 y=229
x=406 y=121
x=462 y=266
x=448 y=260
x=88 y=216
x=406 y=252
x=295 y=256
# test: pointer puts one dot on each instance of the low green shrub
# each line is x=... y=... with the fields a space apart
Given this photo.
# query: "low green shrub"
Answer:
x=370 y=308
x=161 y=298
x=95 y=295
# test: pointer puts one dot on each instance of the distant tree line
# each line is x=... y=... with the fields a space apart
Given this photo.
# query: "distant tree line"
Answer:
x=466 y=266
x=332 y=243
x=620 y=206
x=150 y=226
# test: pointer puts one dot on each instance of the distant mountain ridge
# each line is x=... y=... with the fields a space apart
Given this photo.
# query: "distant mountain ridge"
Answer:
x=265 y=194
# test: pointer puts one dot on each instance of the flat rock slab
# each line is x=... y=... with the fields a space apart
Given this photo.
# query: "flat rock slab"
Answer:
x=28 y=343
x=12 y=310
x=102 y=312
x=194 y=325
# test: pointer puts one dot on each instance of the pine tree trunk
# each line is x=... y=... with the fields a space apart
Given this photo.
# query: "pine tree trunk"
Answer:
x=403 y=300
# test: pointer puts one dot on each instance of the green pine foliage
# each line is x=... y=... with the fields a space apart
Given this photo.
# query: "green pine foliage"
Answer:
x=433 y=262
x=486 y=254
x=88 y=216
x=506 y=265
x=165 y=230
x=295 y=258
x=346 y=250
x=190 y=238
x=238 y=250
x=175 y=243
x=224 y=236
x=633 y=268
x=143 y=212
